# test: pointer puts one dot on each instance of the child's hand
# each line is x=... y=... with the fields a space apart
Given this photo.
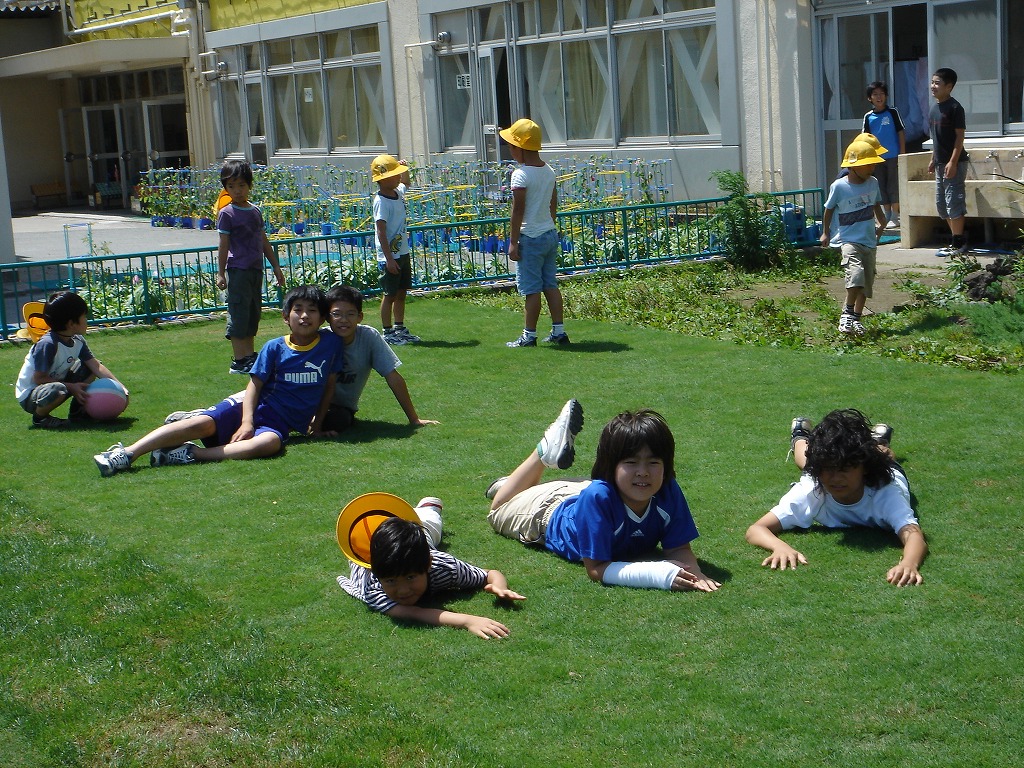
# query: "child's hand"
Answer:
x=687 y=580
x=391 y=266
x=824 y=239
x=901 y=575
x=481 y=626
x=513 y=251
x=503 y=593
x=784 y=557
x=244 y=432
x=423 y=422
x=279 y=276
x=222 y=280
x=77 y=390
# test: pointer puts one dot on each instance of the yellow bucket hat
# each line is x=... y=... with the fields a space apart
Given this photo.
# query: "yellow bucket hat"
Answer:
x=861 y=153
x=871 y=139
x=523 y=133
x=385 y=166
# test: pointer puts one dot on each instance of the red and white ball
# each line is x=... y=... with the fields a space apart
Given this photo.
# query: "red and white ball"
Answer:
x=107 y=399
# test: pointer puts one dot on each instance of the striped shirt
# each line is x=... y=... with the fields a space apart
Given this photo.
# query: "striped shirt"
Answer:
x=447 y=574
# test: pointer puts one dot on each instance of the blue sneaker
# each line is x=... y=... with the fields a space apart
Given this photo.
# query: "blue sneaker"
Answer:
x=557 y=338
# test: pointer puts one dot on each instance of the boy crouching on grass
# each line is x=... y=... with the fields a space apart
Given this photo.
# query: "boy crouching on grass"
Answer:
x=60 y=366
x=290 y=388
x=406 y=566
x=849 y=478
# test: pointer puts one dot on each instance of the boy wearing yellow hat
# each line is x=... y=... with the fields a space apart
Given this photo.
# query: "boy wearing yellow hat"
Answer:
x=392 y=243
x=856 y=202
x=533 y=236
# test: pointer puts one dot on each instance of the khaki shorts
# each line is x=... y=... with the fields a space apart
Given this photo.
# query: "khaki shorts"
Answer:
x=525 y=516
x=859 y=266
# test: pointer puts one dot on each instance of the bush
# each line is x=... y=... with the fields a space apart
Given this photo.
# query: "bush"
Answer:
x=748 y=226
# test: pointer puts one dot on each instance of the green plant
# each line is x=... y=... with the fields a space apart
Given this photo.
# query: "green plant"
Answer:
x=748 y=226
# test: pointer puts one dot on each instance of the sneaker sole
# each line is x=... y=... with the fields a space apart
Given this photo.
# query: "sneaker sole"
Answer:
x=493 y=488
x=574 y=424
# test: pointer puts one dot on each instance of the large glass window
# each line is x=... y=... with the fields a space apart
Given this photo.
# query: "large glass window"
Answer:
x=976 y=64
x=1014 y=27
x=694 y=94
x=455 y=84
x=544 y=90
x=642 y=84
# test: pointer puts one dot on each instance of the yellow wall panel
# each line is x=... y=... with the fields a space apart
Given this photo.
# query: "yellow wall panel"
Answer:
x=226 y=14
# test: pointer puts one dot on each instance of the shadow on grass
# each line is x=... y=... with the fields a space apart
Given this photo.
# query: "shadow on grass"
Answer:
x=591 y=346
x=865 y=539
x=368 y=431
x=442 y=344
x=929 y=323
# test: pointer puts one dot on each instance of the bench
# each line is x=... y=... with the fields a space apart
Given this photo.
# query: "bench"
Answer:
x=54 y=189
x=108 y=191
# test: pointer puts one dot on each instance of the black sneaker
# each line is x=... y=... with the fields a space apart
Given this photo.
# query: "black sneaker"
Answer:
x=882 y=433
x=557 y=338
x=242 y=365
x=523 y=341
x=49 y=422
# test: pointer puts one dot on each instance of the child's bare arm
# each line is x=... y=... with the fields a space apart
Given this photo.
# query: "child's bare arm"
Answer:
x=271 y=256
x=826 y=224
x=321 y=410
x=905 y=573
x=222 y=260
x=381 y=227
x=765 y=534
x=516 y=222
x=246 y=430
x=481 y=626
x=683 y=557
x=497 y=585
x=401 y=392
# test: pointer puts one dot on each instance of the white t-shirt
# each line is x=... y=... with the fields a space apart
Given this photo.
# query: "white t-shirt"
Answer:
x=392 y=212
x=885 y=507
x=539 y=183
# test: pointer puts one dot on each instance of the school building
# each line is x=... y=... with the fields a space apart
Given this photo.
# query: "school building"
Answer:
x=94 y=91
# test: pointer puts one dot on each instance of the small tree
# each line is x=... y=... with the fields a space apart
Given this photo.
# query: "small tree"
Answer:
x=748 y=226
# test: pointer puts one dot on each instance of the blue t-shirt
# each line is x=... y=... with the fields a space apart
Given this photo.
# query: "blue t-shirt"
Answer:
x=598 y=525
x=886 y=127
x=294 y=377
x=244 y=228
x=855 y=211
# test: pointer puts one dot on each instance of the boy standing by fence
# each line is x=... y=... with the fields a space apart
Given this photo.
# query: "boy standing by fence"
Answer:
x=243 y=246
x=856 y=199
x=391 y=236
x=533 y=236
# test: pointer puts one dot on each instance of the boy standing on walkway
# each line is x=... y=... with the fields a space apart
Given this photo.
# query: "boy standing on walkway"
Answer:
x=947 y=126
x=392 y=241
x=243 y=246
x=856 y=199
x=884 y=123
x=533 y=236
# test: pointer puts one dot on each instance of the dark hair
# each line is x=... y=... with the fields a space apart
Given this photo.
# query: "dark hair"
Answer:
x=625 y=435
x=843 y=439
x=345 y=293
x=235 y=169
x=399 y=547
x=946 y=75
x=878 y=85
x=63 y=308
x=305 y=293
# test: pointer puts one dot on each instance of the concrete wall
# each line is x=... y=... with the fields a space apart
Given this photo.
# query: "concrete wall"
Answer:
x=30 y=109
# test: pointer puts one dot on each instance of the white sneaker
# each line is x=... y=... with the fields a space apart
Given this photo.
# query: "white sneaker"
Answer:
x=428 y=510
x=856 y=327
x=403 y=332
x=164 y=457
x=395 y=339
x=557 y=448
x=113 y=460
x=845 y=323
x=892 y=224
x=182 y=415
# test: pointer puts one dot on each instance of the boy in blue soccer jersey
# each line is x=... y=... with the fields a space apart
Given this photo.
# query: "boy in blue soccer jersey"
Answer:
x=290 y=388
x=884 y=123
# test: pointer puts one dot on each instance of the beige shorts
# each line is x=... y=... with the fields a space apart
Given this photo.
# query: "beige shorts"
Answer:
x=525 y=516
x=859 y=266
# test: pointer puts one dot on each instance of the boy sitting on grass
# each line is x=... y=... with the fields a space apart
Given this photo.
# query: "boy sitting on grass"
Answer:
x=290 y=387
x=405 y=566
x=850 y=478
x=60 y=365
x=365 y=351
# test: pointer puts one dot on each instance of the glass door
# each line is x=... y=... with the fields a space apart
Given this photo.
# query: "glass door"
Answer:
x=104 y=145
x=495 y=107
x=166 y=133
x=72 y=141
x=978 y=65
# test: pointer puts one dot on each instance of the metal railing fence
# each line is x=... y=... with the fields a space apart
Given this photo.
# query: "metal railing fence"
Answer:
x=149 y=287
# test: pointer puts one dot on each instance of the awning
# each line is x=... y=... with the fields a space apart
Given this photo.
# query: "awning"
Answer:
x=97 y=56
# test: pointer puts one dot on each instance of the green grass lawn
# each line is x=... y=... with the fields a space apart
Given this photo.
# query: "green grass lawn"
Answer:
x=190 y=615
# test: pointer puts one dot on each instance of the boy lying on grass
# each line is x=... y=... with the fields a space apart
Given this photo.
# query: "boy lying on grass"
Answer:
x=850 y=478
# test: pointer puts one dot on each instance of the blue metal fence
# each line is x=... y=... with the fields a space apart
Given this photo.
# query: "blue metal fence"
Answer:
x=148 y=287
